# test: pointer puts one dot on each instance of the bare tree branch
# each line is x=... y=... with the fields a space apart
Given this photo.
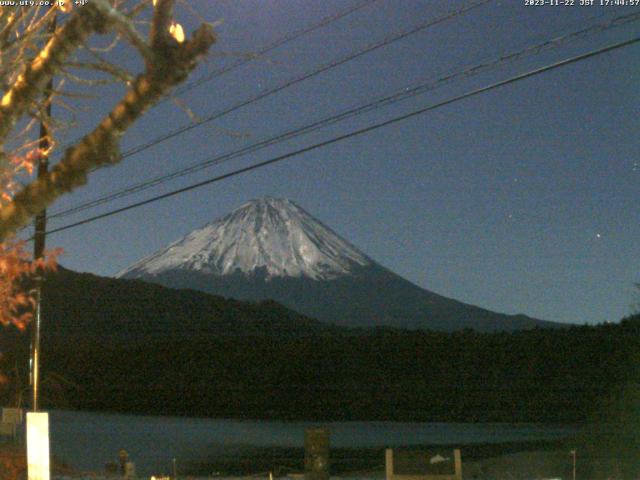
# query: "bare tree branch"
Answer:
x=106 y=67
x=123 y=24
x=162 y=18
x=173 y=63
x=33 y=81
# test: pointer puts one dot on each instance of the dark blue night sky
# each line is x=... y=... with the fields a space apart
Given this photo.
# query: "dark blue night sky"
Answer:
x=523 y=199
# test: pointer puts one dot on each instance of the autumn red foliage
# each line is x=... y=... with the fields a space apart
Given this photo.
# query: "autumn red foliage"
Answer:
x=40 y=44
x=16 y=262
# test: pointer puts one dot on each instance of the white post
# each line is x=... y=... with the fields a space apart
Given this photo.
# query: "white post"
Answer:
x=38 y=446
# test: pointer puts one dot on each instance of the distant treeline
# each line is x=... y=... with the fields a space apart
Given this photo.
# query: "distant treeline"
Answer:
x=538 y=376
x=130 y=346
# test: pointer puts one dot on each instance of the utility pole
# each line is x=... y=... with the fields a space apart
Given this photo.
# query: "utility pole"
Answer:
x=573 y=454
x=38 y=455
x=39 y=236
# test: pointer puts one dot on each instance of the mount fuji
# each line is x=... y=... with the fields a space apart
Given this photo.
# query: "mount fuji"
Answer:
x=271 y=248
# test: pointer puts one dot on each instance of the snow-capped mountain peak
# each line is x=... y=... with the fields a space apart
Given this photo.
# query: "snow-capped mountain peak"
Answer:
x=270 y=235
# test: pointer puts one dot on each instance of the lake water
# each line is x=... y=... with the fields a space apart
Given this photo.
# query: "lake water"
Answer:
x=89 y=440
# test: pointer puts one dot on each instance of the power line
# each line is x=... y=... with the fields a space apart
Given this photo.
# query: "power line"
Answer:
x=355 y=133
x=323 y=68
x=272 y=46
x=349 y=113
x=369 y=48
x=278 y=43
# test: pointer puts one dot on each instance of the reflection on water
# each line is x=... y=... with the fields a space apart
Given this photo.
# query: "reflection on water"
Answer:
x=87 y=441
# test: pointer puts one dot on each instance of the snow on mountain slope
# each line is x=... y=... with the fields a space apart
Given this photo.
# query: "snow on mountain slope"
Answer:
x=271 y=235
x=271 y=249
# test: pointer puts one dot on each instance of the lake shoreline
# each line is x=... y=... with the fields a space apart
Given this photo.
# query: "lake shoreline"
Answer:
x=345 y=461
x=88 y=441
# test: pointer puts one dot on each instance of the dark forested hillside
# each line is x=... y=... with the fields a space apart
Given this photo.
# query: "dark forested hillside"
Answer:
x=540 y=375
x=128 y=346
x=82 y=304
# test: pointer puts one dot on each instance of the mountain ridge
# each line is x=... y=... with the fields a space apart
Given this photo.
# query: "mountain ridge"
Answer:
x=273 y=249
x=88 y=305
x=271 y=233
